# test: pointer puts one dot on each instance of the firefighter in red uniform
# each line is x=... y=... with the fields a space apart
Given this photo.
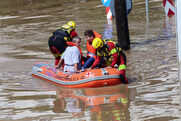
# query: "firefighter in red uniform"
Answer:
x=57 y=41
x=113 y=55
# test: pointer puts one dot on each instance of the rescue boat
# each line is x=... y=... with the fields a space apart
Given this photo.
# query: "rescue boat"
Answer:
x=85 y=79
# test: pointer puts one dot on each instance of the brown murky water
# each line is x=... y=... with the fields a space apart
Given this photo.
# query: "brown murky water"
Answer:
x=152 y=69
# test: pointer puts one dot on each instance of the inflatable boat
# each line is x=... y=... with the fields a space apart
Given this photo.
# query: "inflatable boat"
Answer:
x=85 y=79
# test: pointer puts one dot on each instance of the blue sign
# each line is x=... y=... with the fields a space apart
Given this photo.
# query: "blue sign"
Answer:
x=106 y=2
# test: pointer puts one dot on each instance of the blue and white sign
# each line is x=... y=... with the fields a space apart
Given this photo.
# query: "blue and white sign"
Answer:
x=106 y=2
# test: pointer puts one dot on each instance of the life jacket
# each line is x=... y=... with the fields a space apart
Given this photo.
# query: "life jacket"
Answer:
x=91 y=52
x=72 y=44
x=63 y=32
x=97 y=35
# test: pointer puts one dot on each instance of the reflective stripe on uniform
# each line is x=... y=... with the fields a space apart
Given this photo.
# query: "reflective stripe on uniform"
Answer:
x=57 y=55
x=99 y=54
x=121 y=67
x=65 y=38
x=124 y=100
x=113 y=51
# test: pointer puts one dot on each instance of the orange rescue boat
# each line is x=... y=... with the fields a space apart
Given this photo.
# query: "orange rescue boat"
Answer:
x=86 y=79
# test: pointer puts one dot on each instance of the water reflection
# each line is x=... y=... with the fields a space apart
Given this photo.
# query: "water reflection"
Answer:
x=100 y=103
x=51 y=102
x=108 y=30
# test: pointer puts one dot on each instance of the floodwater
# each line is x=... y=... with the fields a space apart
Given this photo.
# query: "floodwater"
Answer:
x=152 y=68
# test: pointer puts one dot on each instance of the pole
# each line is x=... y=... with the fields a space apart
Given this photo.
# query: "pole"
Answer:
x=178 y=25
x=122 y=24
x=147 y=19
x=146 y=2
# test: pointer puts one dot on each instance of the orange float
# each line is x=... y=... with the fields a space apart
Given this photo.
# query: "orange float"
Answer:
x=86 y=79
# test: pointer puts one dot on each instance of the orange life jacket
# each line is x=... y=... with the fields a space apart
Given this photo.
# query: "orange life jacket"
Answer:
x=91 y=52
x=97 y=35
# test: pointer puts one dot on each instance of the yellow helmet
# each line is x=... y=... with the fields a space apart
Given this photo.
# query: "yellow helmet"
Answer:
x=71 y=23
x=97 y=42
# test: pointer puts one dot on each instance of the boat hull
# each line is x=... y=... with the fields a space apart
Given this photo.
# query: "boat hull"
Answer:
x=86 y=79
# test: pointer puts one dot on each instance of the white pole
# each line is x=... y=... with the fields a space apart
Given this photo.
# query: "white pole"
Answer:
x=178 y=26
x=147 y=9
x=147 y=19
x=146 y=2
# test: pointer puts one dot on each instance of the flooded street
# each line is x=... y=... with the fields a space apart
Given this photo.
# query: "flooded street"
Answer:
x=152 y=68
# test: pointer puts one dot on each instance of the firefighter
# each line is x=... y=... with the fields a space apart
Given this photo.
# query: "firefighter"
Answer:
x=113 y=55
x=57 y=40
